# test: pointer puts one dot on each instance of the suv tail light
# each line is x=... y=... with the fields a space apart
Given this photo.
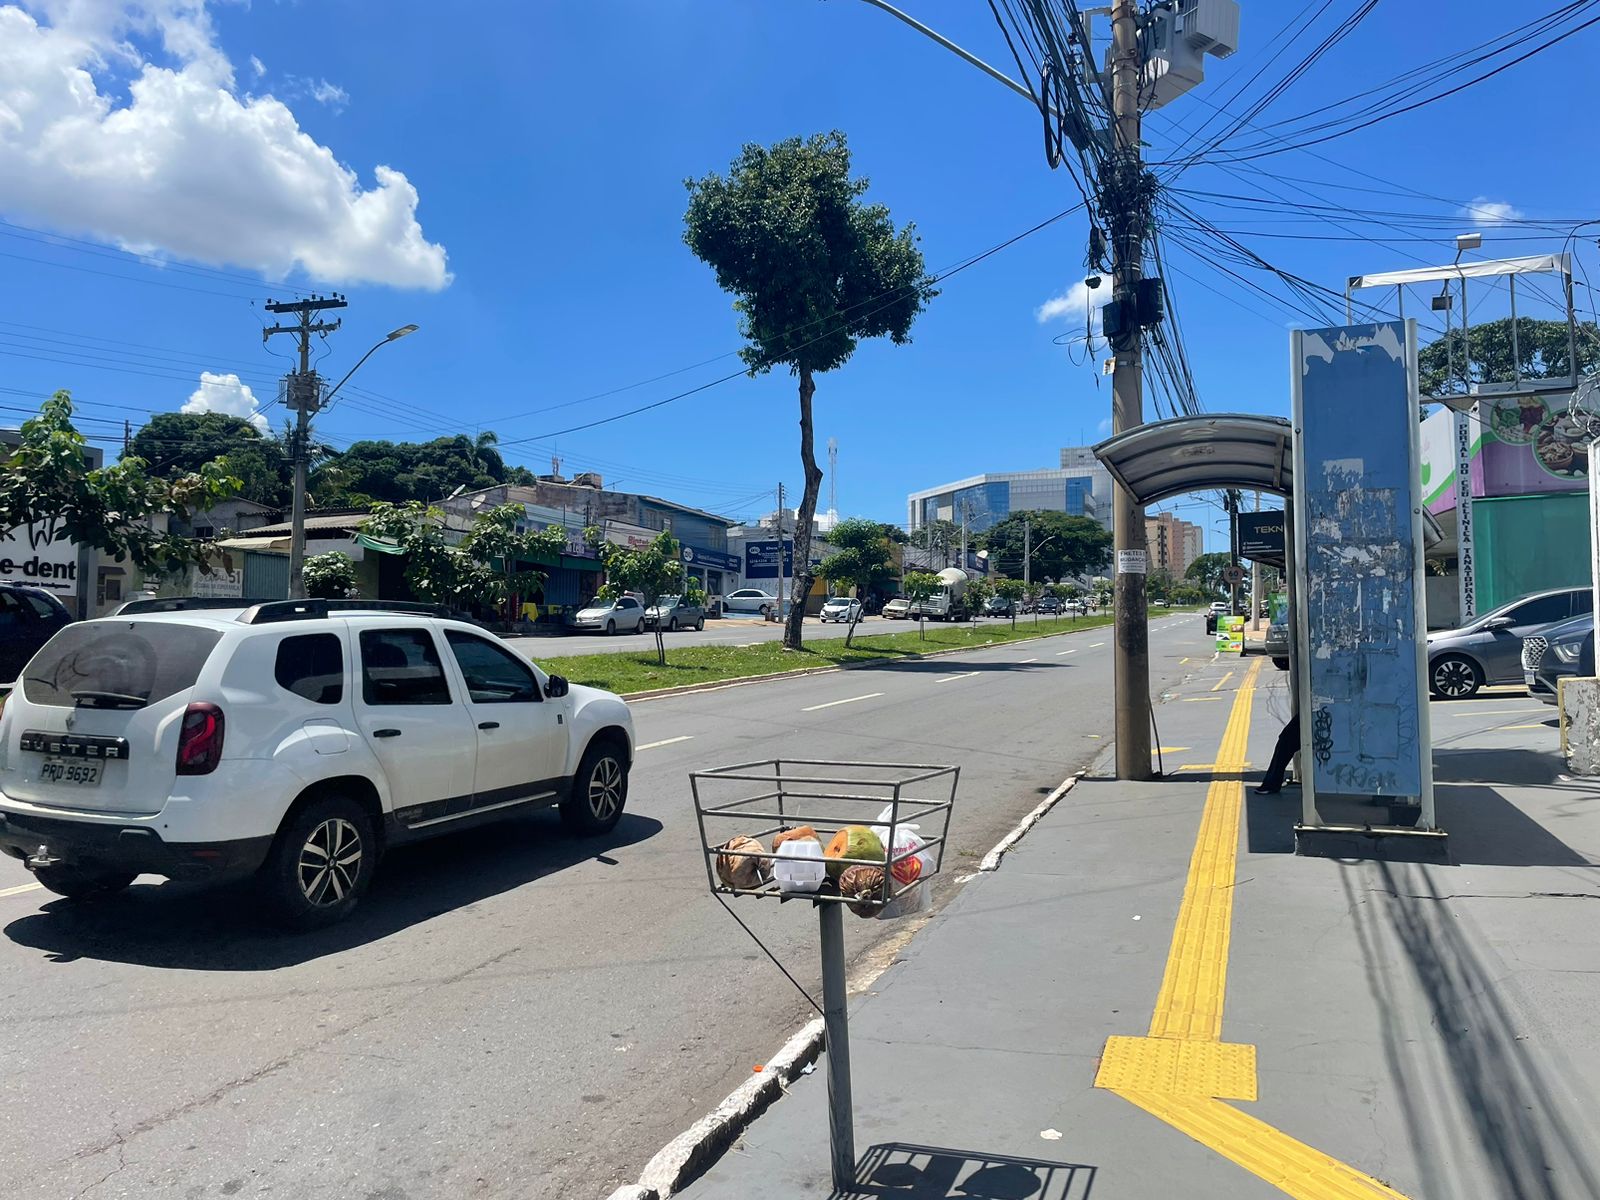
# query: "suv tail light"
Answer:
x=200 y=739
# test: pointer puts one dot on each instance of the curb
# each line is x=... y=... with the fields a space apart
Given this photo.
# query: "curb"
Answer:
x=991 y=860
x=685 y=1156
x=716 y=685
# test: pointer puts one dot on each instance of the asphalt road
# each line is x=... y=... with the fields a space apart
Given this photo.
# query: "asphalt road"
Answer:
x=726 y=632
x=511 y=1013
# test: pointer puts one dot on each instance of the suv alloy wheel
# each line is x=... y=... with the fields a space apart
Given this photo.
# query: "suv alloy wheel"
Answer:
x=321 y=863
x=599 y=791
x=1454 y=678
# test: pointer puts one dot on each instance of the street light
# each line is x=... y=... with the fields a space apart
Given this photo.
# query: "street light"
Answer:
x=302 y=434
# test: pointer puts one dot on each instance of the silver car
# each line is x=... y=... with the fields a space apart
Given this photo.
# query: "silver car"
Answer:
x=624 y=615
x=1276 y=645
x=1488 y=649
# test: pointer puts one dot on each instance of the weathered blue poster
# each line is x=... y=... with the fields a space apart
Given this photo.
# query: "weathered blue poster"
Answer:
x=1363 y=699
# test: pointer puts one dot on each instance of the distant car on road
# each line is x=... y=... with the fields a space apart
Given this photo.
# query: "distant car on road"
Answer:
x=1488 y=649
x=1562 y=651
x=750 y=600
x=840 y=609
x=1049 y=604
x=897 y=609
x=623 y=615
x=673 y=613
x=1276 y=645
x=29 y=617
x=999 y=606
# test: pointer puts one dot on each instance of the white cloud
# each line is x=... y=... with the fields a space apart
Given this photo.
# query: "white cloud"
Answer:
x=224 y=393
x=298 y=87
x=1485 y=211
x=184 y=165
x=1105 y=425
x=259 y=67
x=1074 y=302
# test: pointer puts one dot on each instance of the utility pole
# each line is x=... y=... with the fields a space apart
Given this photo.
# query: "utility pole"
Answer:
x=127 y=437
x=782 y=575
x=302 y=396
x=1131 y=649
x=1027 y=553
x=1232 y=502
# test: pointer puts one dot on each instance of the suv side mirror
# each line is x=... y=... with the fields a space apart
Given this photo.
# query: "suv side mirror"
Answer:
x=1499 y=623
x=556 y=687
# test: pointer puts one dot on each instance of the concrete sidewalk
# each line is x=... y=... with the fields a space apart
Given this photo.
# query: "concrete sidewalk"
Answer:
x=1312 y=1028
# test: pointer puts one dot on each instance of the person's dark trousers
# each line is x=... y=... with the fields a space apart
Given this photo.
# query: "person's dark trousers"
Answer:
x=1288 y=745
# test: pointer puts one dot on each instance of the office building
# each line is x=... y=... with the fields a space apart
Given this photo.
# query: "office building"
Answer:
x=1080 y=487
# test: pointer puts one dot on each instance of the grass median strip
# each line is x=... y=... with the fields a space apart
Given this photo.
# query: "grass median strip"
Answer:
x=636 y=671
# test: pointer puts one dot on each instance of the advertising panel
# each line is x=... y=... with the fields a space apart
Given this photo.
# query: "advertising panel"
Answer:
x=1363 y=701
x=41 y=554
x=1261 y=535
x=761 y=559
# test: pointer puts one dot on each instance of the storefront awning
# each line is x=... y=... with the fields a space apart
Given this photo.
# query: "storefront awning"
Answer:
x=269 y=545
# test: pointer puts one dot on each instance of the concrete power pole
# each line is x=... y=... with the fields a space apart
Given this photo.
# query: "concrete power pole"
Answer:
x=782 y=575
x=303 y=398
x=1131 y=653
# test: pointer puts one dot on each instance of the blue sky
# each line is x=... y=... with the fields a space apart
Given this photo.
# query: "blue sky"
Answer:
x=541 y=250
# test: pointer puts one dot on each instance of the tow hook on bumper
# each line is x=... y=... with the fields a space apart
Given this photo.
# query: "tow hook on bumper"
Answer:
x=40 y=858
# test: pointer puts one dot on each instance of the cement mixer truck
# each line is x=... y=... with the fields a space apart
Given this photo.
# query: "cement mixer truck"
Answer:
x=949 y=603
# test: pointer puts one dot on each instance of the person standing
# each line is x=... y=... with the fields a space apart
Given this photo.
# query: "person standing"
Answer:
x=1287 y=746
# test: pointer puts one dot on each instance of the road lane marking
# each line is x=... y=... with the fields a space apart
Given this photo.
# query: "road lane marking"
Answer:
x=1487 y=712
x=1535 y=725
x=834 y=703
x=1222 y=681
x=688 y=737
x=1182 y=1071
x=1025 y=661
x=1199 y=699
x=1059 y=653
x=20 y=888
x=1181 y=661
x=1171 y=749
x=953 y=678
x=1095 y=645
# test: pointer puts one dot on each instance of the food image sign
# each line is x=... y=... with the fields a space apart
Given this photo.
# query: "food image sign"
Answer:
x=1530 y=445
x=41 y=554
x=1230 y=635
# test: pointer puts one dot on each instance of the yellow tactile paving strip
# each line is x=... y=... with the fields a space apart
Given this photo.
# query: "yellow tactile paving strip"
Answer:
x=1183 y=1071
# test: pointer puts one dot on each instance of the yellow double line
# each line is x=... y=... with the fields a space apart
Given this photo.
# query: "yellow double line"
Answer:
x=1182 y=1072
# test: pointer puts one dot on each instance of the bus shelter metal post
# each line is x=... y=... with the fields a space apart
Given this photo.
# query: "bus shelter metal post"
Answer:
x=836 y=1024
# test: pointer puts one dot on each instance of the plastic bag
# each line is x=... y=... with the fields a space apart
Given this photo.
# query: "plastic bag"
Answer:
x=906 y=841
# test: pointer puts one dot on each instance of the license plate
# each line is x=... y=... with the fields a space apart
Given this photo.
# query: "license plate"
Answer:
x=73 y=772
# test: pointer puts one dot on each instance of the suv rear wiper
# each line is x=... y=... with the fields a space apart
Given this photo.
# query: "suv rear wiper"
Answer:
x=94 y=699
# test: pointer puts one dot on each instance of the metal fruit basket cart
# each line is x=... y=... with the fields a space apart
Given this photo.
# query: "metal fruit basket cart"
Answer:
x=760 y=800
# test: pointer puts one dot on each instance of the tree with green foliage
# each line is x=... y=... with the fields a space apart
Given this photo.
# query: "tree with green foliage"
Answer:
x=47 y=484
x=1542 y=351
x=178 y=443
x=863 y=559
x=814 y=270
x=1206 y=572
x=1034 y=591
x=919 y=586
x=1013 y=590
x=487 y=566
x=330 y=576
x=370 y=472
x=1060 y=545
x=978 y=591
x=651 y=571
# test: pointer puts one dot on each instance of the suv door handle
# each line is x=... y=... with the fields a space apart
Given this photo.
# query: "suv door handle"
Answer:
x=488 y=724
x=385 y=733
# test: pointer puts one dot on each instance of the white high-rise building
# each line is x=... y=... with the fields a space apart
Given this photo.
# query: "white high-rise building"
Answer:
x=1080 y=486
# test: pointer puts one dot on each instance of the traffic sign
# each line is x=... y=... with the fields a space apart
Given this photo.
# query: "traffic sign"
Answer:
x=1232 y=573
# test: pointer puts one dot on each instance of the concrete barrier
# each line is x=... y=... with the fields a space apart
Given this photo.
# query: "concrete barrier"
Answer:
x=1578 y=701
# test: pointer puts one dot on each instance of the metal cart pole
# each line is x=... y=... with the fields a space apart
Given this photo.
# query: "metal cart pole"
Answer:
x=836 y=1023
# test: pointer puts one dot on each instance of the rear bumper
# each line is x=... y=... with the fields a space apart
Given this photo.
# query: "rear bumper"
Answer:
x=131 y=847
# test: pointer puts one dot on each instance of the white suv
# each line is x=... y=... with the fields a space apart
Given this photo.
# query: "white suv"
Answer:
x=295 y=740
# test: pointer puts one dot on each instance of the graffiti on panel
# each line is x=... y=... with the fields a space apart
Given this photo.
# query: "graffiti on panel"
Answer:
x=1360 y=496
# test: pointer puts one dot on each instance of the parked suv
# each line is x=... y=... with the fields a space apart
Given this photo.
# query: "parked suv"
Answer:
x=294 y=740
x=674 y=613
x=1488 y=650
x=1562 y=651
x=29 y=617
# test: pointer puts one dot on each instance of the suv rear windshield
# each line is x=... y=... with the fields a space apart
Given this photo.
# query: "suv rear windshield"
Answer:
x=150 y=660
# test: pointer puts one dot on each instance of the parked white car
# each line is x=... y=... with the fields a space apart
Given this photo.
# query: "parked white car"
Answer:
x=840 y=608
x=897 y=609
x=295 y=741
x=750 y=600
x=623 y=615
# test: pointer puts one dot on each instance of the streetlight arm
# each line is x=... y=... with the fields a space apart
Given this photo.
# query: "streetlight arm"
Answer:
x=965 y=55
x=393 y=337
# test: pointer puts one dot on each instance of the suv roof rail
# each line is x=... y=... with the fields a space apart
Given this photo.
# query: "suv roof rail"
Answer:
x=269 y=611
x=181 y=604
